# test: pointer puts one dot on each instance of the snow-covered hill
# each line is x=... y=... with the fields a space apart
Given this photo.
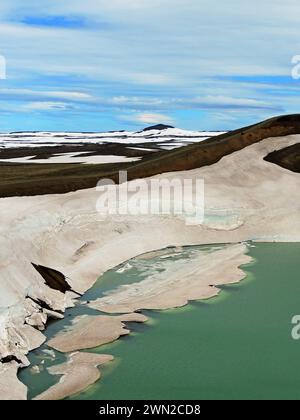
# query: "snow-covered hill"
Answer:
x=165 y=139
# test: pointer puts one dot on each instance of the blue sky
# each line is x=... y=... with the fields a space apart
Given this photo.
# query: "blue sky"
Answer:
x=99 y=65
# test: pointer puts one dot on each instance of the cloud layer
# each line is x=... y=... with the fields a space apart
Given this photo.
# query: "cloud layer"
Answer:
x=104 y=64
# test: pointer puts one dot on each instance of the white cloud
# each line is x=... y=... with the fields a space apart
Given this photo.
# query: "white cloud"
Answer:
x=46 y=106
x=74 y=96
x=199 y=102
x=23 y=94
x=135 y=101
x=148 y=118
x=151 y=79
x=220 y=101
x=135 y=108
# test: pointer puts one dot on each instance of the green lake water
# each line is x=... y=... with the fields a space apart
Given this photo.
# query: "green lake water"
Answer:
x=235 y=346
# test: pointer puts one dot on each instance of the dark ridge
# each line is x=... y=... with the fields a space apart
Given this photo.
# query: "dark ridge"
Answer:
x=158 y=127
x=288 y=158
x=54 y=279
x=288 y=119
x=10 y=358
x=29 y=180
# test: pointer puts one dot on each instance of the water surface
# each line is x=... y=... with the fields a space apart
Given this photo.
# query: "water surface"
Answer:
x=235 y=346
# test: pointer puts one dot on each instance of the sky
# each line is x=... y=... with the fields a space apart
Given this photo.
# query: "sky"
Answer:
x=98 y=65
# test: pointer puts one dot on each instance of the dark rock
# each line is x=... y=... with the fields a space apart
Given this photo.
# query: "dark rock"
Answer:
x=54 y=279
x=10 y=358
x=158 y=127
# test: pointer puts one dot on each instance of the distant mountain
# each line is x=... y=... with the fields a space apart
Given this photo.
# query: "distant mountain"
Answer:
x=158 y=127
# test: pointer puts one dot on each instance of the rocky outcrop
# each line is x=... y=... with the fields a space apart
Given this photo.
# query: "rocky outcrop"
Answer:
x=54 y=279
x=288 y=157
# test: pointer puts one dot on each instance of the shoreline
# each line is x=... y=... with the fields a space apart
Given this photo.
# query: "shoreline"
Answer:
x=70 y=340
x=198 y=278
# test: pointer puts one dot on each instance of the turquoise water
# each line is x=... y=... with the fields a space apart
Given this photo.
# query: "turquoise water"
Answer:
x=235 y=346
